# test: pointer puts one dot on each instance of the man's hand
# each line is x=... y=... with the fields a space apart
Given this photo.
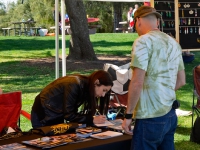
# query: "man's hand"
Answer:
x=126 y=125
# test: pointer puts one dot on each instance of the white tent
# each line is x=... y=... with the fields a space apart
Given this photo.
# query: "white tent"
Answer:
x=63 y=32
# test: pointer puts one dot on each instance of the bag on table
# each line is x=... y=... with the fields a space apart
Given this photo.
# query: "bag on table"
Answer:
x=56 y=129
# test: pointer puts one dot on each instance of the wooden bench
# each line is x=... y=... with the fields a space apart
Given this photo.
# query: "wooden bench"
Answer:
x=124 y=29
x=6 y=30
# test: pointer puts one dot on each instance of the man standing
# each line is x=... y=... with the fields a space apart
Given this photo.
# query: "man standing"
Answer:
x=158 y=71
x=134 y=10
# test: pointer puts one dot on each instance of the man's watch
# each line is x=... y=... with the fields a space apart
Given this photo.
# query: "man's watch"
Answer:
x=128 y=116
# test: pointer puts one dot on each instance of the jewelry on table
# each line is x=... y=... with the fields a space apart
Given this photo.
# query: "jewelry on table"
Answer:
x=188 y=5
x=191 y=12
x=185 y=31
x=179 y=5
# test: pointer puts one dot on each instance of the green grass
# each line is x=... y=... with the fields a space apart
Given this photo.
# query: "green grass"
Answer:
x=15 y=74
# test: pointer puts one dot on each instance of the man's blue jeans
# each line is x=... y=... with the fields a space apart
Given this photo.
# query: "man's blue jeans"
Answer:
x=155 y=133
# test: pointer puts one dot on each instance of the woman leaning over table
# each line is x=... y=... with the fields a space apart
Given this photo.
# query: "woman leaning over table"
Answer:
x=61 y=99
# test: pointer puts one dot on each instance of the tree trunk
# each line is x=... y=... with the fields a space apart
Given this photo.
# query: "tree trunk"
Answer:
x=80 y=46
x=117 y=15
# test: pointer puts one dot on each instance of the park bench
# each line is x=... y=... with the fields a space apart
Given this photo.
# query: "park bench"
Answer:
x=6 y=31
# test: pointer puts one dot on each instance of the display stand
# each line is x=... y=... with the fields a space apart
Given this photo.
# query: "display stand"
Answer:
x=167 y=10
x=189 y=24
x=183 y=22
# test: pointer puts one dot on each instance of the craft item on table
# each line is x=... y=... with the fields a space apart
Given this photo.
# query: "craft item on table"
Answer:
x=179 y=5
x=15 y=146
x=87 y=131
x=191 y=12
x=106 y=135
x=107 y=123
x=54 y=141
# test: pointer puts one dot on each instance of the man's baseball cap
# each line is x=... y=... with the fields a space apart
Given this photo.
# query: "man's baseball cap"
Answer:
x=145 y=11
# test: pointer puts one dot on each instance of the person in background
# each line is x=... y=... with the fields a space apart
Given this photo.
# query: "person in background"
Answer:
x=158 y=71
x=136 y=7
x=130 y=17
x=61 y=100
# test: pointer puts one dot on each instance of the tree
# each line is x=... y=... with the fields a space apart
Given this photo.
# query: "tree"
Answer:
x=80 y=46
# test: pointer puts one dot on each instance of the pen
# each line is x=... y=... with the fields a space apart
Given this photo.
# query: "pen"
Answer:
x=98 y=112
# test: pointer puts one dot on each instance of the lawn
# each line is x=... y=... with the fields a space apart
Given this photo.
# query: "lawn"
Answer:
x=16 y=74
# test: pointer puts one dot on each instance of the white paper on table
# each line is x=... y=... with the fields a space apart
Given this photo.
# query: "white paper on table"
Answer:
x=107 y=123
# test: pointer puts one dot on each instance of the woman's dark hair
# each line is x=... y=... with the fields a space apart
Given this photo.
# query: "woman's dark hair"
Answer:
x=104 y=79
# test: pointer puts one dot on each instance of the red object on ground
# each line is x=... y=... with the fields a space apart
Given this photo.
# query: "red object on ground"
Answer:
x=25 y=114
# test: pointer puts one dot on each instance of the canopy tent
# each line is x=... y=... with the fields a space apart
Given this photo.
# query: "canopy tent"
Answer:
x=63 y=32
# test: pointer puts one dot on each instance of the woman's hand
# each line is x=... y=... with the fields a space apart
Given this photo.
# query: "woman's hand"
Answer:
x=99 y=119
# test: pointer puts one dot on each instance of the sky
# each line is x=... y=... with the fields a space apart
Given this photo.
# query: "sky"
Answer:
x=5 y=1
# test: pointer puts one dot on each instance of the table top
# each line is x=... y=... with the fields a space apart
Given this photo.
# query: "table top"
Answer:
x=115 y=143
x=123 y=22
x=25 y=22
x=90 y=20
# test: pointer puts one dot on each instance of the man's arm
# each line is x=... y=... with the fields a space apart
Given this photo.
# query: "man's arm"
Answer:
x=135 y=88
x=180 y=79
